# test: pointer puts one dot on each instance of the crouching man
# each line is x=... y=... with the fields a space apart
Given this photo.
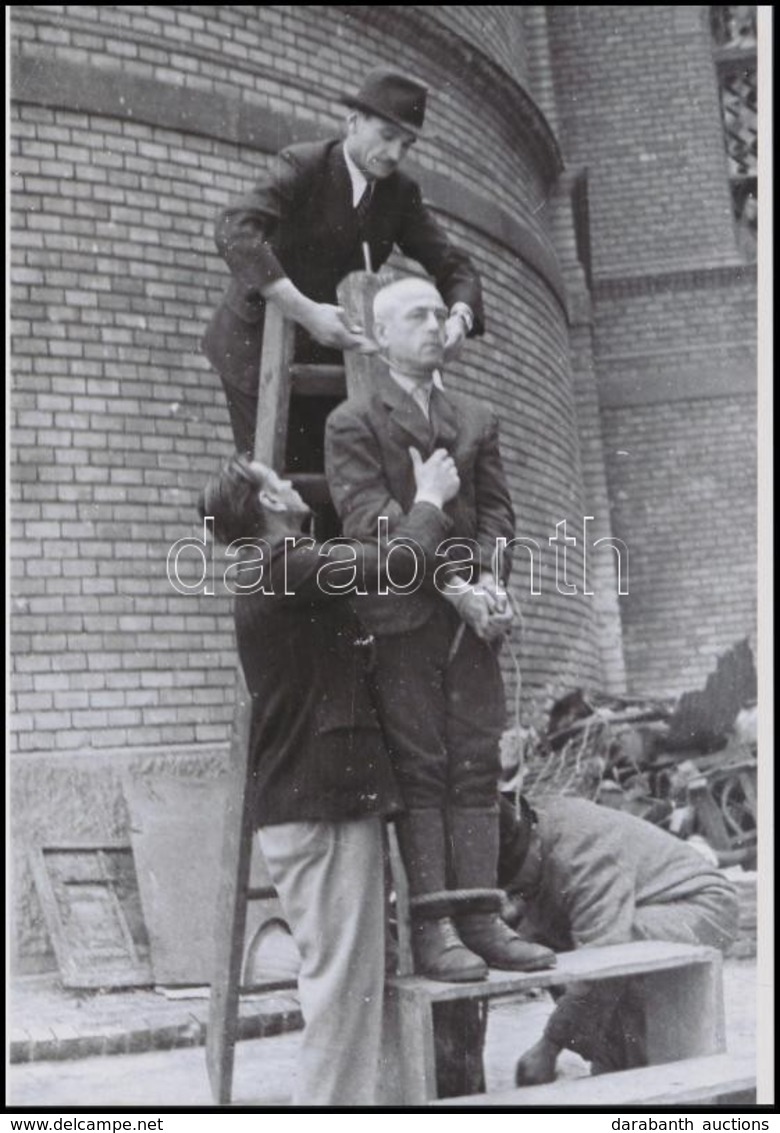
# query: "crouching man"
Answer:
x=322 y=780
x=585 y=876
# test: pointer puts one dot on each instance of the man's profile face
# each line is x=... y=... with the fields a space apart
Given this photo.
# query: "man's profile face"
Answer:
x=411 y=330
x=281 y=491
x=376 y=146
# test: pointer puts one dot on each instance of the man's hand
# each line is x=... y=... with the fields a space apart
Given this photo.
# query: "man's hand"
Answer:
x=537 y=1065
x=436 y=478
x=326 y=324
x=475 y=612
x=474 y=609
x=496 y=596
x=324 y=321
x=454 y=337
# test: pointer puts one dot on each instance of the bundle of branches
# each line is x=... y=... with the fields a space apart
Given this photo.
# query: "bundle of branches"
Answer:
x=589 y=741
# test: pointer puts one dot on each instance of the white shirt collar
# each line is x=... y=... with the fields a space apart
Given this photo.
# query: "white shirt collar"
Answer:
x=410 y=385
x=420 y=392
x=359 y=182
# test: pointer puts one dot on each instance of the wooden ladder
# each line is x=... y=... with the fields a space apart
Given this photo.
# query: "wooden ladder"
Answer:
x=294 y=398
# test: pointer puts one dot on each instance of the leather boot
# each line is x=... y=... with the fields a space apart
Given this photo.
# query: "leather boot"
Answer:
x=438 y=952
x=500 y=947
x=473 y=834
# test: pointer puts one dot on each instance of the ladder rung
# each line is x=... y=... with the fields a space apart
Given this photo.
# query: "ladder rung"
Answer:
x=260 y=893
x=313 y=486
x=318 y=381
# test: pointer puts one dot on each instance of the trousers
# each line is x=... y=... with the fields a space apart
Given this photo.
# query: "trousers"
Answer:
x=329 y=878
x=604 y=1022
x=242 y=408
x=443 y=712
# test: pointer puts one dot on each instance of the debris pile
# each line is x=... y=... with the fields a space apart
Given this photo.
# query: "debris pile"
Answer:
x=688 y=765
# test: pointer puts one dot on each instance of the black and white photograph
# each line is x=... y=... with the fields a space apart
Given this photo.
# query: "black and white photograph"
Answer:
x=389 y=602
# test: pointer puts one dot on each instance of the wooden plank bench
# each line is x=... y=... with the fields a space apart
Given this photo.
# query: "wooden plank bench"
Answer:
x=721 y=1078
x=682 y=986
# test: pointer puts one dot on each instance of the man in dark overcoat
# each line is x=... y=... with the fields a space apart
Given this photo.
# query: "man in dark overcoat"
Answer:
x=322 y=783
x=303 y=228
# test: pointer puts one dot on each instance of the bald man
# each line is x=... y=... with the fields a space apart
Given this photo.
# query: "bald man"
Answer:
x=439 y=682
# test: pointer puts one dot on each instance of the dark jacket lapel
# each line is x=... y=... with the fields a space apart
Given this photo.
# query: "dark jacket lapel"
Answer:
x=338 y=193
x=444 y=419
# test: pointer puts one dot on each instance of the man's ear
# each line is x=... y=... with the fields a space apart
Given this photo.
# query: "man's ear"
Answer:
x=270 y=501
x=380 y=334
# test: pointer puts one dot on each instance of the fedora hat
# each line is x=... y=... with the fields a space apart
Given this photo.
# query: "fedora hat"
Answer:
x=391 y=95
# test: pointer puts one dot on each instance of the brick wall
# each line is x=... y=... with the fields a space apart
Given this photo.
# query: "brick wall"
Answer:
x=117 y=419
x=674 y=328
x=684 y=501
x=496 y=29
x=638 y=98
x=304 y=60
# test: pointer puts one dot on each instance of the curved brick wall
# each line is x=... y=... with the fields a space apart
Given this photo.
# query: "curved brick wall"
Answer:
x=117 y=417
x=495 y=29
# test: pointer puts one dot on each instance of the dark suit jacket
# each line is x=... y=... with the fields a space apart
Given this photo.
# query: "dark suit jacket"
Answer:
x=318 y=752
x=369 y=472
x=300 y=222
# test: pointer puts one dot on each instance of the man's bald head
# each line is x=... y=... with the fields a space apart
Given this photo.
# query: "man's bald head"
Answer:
x=402 y=292
x=409 y=318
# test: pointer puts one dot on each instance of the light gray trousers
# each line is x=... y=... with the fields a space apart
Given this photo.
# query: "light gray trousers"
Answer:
x=330 y=881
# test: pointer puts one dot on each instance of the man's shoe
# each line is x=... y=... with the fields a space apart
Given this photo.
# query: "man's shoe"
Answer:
x=439 y=953
x=500 y=947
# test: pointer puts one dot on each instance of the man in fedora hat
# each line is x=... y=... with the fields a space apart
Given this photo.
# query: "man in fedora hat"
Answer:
x=301 y=230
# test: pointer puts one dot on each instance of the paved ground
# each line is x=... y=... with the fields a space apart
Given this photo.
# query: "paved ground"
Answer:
x=49 y=1022
x=265 y=1067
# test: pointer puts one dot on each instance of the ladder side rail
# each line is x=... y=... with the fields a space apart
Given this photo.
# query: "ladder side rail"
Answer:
x=270 y=439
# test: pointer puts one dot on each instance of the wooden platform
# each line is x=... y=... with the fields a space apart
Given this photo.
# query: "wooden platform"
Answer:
x=614 y=961
x=720 y=1078
x=681 y=984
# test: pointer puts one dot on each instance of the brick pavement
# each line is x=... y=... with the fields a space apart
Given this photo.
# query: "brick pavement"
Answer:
x=50 y=1022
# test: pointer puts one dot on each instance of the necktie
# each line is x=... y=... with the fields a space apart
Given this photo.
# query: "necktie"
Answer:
x=363 y=205
x=421 y=396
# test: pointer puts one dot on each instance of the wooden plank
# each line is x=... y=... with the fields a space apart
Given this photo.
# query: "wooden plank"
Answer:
x=89 y=927
x=417 y=1050
x=231 y=903
x=611 y=962
x=274 y=390
x=684 y=1012
x=692 y=1081
x=356 y=295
